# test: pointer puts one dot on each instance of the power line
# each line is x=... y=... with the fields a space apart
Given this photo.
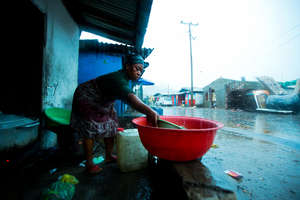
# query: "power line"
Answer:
x=287 y=36
x=289 y=40
x=291 y=29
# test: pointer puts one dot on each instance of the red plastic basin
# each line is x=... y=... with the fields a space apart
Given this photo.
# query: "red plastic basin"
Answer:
x=178 y=144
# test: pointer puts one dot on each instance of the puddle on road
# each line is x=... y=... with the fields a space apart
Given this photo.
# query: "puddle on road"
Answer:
x=279 y=125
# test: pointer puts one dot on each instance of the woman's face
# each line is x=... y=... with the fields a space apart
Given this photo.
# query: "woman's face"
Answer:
x=134 y=71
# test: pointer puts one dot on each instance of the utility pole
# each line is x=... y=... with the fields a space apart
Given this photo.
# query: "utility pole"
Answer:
x=190 y=37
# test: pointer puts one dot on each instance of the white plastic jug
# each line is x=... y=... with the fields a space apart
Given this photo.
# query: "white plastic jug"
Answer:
x=131 y=153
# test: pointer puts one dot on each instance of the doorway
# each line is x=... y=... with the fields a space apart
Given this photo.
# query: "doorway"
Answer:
x=21 y=71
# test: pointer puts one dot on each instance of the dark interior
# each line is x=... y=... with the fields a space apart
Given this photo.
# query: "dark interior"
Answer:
x=21 y=73
x=241 y=99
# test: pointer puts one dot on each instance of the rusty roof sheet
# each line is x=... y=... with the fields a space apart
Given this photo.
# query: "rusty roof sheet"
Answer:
x=96 y=46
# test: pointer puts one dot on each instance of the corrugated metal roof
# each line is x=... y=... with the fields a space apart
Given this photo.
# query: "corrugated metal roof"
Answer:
x=124 y=21
x=94 y=45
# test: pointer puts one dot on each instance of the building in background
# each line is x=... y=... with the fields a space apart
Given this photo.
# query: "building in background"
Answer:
x=181 y=98
x=228 y=92
x=138 y=88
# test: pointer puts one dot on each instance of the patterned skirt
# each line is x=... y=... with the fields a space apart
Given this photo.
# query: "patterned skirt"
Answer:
x=93 y=115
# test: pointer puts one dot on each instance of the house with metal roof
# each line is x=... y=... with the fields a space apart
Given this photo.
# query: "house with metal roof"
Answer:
x=180 y=98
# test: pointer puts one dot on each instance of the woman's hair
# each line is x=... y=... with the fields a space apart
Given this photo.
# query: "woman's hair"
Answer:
x=134 y=59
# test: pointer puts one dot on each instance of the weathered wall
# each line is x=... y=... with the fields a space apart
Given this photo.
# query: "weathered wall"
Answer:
x=219 y=86
x=60 y=67
x=199 y=99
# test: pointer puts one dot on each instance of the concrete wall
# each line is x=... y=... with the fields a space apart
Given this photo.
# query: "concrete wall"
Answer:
x=60 y=67
x=219 y=87
x=198 y=99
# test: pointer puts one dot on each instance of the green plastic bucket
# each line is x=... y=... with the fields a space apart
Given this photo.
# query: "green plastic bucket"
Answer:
x=57 y=116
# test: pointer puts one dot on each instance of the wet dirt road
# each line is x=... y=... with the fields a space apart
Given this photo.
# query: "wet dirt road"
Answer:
x=263 y=147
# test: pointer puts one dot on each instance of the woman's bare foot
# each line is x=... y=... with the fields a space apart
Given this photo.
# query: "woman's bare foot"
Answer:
x=93 y=169
x=110 y=158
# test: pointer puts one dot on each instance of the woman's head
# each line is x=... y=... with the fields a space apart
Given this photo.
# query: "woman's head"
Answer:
x=134 y=66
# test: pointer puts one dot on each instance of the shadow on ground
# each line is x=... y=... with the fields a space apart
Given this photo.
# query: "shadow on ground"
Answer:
x=28 y=182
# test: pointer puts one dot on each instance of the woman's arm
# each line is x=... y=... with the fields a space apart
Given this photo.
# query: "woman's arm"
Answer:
x=138 y=105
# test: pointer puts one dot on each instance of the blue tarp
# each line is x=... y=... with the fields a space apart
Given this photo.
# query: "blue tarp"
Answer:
x=142 y=81
x=284 y=102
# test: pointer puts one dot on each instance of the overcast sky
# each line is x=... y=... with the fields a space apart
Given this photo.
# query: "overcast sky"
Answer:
x=233 y=39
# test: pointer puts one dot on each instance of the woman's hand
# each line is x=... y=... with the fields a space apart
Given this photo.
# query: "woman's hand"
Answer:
x=152 y=117
x=137 y=104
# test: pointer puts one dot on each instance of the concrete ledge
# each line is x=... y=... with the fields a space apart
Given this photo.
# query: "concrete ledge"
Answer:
x=199 y=183
x=193 y=180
